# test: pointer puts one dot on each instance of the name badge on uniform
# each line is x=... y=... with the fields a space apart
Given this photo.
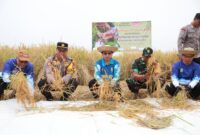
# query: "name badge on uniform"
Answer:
x=181 y=70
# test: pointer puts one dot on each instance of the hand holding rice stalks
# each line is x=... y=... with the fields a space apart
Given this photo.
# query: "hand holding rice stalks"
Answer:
x=23 y=93
x=180 y=101
x=106 y=91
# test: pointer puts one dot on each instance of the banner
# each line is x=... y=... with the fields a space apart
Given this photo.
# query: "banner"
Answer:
x=125 y=35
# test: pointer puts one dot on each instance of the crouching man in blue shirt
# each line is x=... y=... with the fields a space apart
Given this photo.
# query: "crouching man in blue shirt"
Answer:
x=15 y=65
x=107 y=66
x=185 y=73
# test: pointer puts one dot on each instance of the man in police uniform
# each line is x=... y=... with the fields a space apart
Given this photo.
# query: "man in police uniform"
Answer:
x=190 y=37
x=56 y=67
x=139 y=72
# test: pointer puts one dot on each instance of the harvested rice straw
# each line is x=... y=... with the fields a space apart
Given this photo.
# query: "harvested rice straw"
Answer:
x=23 y=95
x=135 y=108
x=106 y=92
x=100 y=106
x=153 y=83
x=180 y=101
x=155 y=122
x=138 y=109
x=58 y=84
x=140 y=104
x=150 y=71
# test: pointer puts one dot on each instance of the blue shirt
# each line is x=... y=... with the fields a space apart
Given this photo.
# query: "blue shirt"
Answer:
x=183 y=74
x=10 y=67
x=112 y=69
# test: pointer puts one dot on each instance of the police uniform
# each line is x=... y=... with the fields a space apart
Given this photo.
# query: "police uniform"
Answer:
x=190 y=37
x=65 y=69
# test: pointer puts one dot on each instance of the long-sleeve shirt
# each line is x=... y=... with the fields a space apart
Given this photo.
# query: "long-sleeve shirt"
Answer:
x=183 y=74
x=10 y=67
x=111 y=69
x=65 y=68
x=189 y=37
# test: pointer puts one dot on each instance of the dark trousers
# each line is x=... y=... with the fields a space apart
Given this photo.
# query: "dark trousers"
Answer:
x=194 y=93
x=46 y=89
x=135 y=86
x=197 y=60
x=93 y=86
x=3 y=86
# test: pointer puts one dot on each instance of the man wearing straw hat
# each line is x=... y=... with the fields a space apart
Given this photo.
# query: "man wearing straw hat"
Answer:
x=140 y=72
x=107 y=66
x=59 y=74
x=14 y=65
x=190 y=37
x=185 y=75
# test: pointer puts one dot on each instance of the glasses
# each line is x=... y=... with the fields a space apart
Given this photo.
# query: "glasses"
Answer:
x=23 y=62
x=107 y=53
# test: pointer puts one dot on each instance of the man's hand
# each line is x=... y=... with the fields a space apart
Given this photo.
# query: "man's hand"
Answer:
x=113 y=83
x=188 y=88
x=178 y=88
x=139 y=77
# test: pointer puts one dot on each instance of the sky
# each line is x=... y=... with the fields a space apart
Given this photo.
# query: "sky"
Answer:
x=48 y=21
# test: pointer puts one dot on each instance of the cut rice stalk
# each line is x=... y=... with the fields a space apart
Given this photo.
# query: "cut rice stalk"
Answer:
x=155 y=122
x=100 y=106
x=23 y=94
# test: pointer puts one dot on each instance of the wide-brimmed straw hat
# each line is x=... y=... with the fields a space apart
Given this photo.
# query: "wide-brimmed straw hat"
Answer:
x=107 y=48
x=188 y=51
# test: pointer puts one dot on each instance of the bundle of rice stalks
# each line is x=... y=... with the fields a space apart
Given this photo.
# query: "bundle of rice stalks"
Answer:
x=155 y=122
x=23 y=94
x=138 y=109
x=135 y=108
x=141 y=104
x=180 y=101
x=100 y=106
x=153 y=83
x=106 y=92
x=58 y=84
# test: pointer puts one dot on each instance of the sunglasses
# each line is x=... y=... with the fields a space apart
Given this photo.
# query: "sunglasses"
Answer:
x=23 y=62
x=107 y=53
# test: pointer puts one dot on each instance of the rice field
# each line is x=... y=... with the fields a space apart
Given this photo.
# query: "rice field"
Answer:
x=84 y=59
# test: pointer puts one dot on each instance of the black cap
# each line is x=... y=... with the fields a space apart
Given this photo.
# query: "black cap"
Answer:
x=197 y=16
x=62 y=45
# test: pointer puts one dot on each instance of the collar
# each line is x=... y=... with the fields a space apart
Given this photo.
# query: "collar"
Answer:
x=104 y=63
x=185 y=64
